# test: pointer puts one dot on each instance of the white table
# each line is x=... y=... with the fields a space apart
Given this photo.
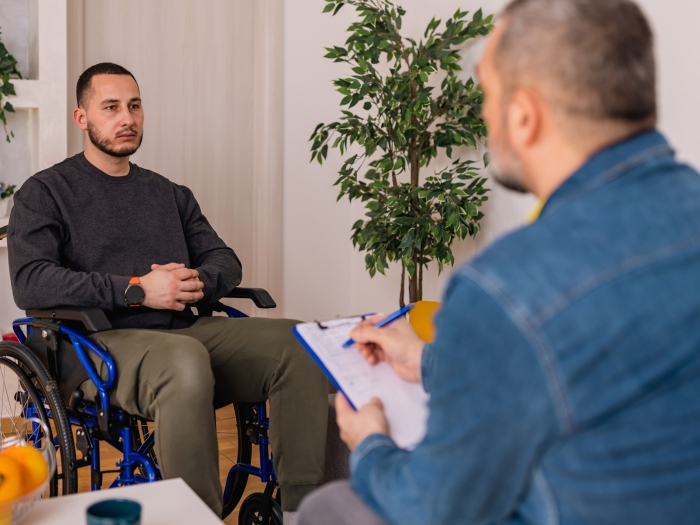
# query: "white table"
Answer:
x=162 y=503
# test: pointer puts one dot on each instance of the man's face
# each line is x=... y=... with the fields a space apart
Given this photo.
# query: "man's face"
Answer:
x=505 y=165
x=114 y=115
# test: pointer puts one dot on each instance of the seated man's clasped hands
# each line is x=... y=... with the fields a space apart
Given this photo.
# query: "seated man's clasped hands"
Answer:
x=171 y=287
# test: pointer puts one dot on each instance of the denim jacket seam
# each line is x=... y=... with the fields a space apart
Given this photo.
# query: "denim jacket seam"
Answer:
x=621 y=168
x=610 y=274
x=540 y=347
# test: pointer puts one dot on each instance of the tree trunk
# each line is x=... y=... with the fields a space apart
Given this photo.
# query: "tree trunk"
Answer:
x=402 y=297
x=415 y=284
x=414 y=291
x=420 y=276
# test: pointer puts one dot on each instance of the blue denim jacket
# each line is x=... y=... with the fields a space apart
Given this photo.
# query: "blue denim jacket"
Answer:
x=565 y=377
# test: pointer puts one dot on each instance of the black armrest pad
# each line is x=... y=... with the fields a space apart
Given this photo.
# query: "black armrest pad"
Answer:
x=260 y=297
x=3 y=232
x=93 y=319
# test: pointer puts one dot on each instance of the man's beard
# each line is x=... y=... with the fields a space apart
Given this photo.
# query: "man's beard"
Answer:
x=103 y=143
x=505 y=165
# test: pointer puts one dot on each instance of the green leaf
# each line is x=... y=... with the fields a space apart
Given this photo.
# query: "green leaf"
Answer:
x=410 y=268
x=7 y=89
x=8 y=107
x=329 y=8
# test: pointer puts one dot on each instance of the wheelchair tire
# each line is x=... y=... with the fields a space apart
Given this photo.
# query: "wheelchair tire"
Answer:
x=251 y=508
x=33 y=383
x=244 y=413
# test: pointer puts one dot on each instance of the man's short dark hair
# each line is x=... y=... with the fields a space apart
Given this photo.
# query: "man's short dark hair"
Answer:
x=104 y=68
x=595 y=57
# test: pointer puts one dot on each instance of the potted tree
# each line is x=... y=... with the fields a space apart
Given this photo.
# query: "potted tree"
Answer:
x=404 y=103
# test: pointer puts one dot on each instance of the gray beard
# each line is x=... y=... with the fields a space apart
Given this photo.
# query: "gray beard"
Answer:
x=506 y=169
x=509 y=181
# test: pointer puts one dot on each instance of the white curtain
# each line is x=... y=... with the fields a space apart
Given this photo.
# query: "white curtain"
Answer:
x=211 y=79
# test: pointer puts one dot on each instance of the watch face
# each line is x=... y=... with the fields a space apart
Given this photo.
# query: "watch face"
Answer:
x=134 y=294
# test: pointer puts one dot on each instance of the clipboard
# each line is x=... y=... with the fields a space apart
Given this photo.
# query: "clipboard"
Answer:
x=405 y=404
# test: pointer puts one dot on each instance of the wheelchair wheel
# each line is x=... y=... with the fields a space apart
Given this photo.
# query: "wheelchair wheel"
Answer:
x=26 y=388
x=237 y=442
x=251 y=511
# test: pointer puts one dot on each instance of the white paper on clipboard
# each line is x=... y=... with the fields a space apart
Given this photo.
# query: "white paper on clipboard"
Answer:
x=405 y=404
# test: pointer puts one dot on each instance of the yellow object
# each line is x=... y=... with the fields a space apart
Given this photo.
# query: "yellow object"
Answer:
x=11 y=479
x=33 y=464
x=421 y=319
x=535 y=213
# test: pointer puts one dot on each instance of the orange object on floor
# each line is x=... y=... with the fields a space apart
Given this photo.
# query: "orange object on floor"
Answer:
x=421 y=319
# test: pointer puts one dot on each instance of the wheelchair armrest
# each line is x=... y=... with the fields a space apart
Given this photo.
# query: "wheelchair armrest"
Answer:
x=260 y=297
x=93 y=319
x=3 y=232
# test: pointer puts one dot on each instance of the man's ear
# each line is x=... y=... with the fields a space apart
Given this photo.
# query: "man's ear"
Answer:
x=525 y=117
x=80 y=118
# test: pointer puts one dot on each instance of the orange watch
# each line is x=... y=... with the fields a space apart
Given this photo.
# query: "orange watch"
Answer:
x=134 y=293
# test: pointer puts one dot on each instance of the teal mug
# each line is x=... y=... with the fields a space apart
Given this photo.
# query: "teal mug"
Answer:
x=114 y=512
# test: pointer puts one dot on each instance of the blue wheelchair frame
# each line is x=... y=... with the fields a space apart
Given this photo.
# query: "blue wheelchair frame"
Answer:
x=89 y=417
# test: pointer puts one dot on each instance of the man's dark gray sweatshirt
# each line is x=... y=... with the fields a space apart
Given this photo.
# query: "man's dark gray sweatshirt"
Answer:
x=77 y=235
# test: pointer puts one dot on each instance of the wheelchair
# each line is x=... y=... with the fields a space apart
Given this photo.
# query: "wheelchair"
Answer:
x=41 y=377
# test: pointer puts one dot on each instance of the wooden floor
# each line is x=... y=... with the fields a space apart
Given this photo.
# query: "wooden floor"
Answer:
x=227 y=438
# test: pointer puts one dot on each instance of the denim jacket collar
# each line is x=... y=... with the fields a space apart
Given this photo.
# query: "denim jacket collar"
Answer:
x=608 y=164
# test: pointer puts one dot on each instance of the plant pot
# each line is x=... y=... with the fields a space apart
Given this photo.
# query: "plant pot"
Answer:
x=421 y=319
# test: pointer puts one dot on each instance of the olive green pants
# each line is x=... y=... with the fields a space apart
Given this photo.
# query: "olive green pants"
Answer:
x=176 y=377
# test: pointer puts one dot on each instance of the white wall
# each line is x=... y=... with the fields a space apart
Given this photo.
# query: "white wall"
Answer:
x=677 y=42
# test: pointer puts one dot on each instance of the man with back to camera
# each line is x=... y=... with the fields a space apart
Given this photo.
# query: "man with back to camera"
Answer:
x=98 y=231
x=565 y=376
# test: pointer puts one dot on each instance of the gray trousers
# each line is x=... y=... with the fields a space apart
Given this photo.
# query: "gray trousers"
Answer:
x=175 y=378
x=336 y=504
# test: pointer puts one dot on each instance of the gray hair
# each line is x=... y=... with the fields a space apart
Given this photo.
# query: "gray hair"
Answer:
x=595 y=58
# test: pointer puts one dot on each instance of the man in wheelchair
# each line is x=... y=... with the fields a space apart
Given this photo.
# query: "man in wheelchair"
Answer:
x=98 y=231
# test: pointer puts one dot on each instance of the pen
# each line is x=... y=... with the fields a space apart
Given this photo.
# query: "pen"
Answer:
x=387 y=320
